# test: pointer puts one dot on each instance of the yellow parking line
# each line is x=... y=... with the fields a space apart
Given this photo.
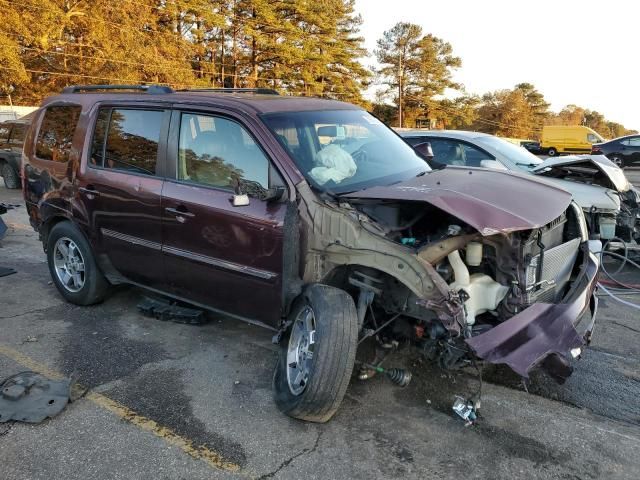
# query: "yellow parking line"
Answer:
x=211 y=457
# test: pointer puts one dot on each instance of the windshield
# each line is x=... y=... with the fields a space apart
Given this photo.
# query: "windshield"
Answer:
x=520 y=156
x=343 y=151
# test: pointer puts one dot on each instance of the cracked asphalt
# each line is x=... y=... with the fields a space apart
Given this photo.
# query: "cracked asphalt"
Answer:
x=173 y=401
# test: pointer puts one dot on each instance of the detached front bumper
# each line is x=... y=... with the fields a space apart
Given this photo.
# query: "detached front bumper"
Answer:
x=544 y=335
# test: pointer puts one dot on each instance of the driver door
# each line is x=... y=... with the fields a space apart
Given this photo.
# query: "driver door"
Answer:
x=222 y=256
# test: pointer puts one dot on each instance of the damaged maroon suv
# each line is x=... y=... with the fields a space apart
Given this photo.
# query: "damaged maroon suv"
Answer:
x=312 y=218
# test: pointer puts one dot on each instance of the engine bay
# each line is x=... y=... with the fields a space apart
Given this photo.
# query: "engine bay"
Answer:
x=493 y=277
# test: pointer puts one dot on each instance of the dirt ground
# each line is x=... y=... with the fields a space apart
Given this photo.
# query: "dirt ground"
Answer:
x=173 y=401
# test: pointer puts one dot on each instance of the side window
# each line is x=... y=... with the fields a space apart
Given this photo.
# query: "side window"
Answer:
x=591 y=138
x=448 y=152
x=17 y=135
x=474 y=156
x=219 y=152
x=99 y=136
x=131 y=140
x=634 y=142
x=56 y=133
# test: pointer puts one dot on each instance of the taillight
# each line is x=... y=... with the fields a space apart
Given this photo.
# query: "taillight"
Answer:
x=595 y=150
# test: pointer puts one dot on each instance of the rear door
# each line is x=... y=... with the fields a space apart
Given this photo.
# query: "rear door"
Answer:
x=631 y=151
x=223 y=256
x=121 y=188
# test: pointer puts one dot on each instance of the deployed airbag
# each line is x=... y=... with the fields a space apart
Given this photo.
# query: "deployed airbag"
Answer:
x=334 y=164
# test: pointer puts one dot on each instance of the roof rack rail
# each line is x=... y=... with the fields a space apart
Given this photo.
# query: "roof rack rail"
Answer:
x=150 y=89
x=263 y=91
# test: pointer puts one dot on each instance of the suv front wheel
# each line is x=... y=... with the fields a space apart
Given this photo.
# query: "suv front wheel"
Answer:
x=73 y=267
x=316 y=361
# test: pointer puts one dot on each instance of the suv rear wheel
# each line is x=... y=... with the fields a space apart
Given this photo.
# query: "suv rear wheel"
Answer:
x=552 y=152
x=73 y=267
x=316 y=361
x=10 y=176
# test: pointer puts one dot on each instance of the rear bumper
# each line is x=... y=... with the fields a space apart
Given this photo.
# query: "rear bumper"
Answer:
x=546 y=335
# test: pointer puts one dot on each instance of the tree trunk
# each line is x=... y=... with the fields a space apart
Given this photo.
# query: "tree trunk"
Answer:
x=222 y=60
x=400 y=96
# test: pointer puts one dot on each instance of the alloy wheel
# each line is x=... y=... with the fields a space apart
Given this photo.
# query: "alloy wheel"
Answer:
x=69 y=264
x=300 y=350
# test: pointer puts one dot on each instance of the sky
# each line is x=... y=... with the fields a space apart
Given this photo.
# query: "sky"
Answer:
x=575 y=52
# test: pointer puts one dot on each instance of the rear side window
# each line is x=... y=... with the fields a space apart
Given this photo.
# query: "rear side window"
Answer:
x=56 y=133
x=127 y=140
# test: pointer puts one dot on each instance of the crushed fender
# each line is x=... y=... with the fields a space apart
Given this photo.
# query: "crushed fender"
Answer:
x=29 y=397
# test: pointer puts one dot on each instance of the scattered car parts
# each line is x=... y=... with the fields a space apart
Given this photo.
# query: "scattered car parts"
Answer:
x=30 y=397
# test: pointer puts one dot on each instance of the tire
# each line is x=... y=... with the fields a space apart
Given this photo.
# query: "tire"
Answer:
x=93 y=286
x=334 y=352
x=552 y=152
x=10 y=176
x=618 y=161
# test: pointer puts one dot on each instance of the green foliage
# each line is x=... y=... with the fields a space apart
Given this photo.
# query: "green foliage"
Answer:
x=415 y=68
x=300 y=47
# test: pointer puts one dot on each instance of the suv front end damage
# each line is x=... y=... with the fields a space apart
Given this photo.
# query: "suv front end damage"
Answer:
x=464 y=263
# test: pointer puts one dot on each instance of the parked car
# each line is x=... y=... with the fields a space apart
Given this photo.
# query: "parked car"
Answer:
x=557 y=139
x=623 y=151
x=532 y=146
x=611 y=204
x=232 y=202
x=11 y=139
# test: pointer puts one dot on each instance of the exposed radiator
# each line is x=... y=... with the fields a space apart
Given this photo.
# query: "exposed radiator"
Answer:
x=557 y=265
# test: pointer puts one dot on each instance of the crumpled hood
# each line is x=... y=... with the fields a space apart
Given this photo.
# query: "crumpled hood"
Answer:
x=614 y=175
x=488 y=200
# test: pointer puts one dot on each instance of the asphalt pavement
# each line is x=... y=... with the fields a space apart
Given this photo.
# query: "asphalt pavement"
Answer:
x=161 y=400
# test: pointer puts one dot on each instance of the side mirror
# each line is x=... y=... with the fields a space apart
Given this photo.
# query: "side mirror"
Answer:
x=424 y=150
x=494 y=164
x=247 y=188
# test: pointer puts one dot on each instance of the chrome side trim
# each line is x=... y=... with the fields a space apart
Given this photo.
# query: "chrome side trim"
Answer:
x=224 y=264
x=128 y=238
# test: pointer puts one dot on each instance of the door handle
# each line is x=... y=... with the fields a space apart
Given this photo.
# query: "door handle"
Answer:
x=90 y=192
x=180 y=213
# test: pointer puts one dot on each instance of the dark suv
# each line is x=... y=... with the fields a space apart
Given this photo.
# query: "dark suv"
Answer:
x=312 y=218
x=11 y=139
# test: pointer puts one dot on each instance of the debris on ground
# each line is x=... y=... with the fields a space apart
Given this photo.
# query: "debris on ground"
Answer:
x=4 y=208
x=399 y=376
x=4 y=271
x=170 y=311
x=465 y=409
x=30 y=397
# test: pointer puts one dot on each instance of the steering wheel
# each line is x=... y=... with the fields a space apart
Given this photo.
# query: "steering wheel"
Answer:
x=363 y=154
